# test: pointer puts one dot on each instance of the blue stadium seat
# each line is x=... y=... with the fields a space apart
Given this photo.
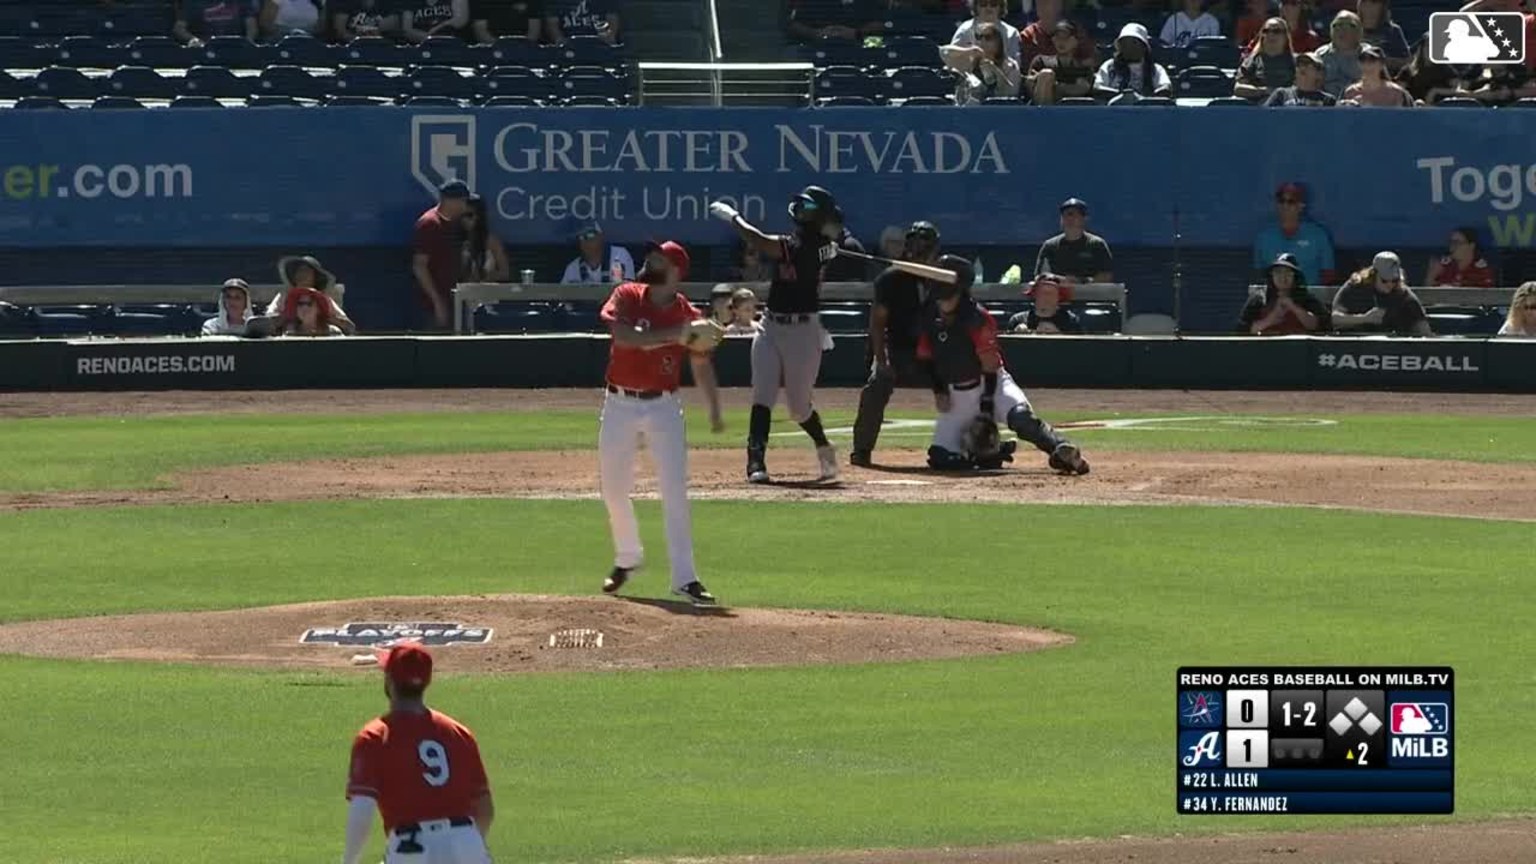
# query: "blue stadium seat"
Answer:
x=846 y=102
x=446 y=51
x=291 y=81
x=513 y=81
x=590 y=102
x=1232 y=102
x=517 y=51
x=121 y=22
x=913 y=21
x=295 y=50
x=936 y=101
x=18 y=19
x=591 y=81
x=1458 y=102
x=116 y=102
x=1113 y=18
x=438 y=81
x=1003 y=102
x=847 y=81
x=511 y=102
x=910 y=51
x=216 y=81
x=824 y=54
x=195 y=102
x=85 y=52
x=60 y=21
x=273 y=102
x=1100 y=318
x=1154 y=102
x=12 y=87
x=163 y=319
x=40 y=102
x=367 y=81
x=1077 y=100
x=62 y=83
x=236 y=52
x=140 y=82
x=1527 y=102
x=68 y=320
x=589 y=51
x=514 y=318
x=162 y=52
x=18 y=52
x=375 y=51
x=1202 y=82
x=352 y=101
x=16 y=321
x=1462 y=320
x=910 y=81
x=433 y=102
x=1218 y=51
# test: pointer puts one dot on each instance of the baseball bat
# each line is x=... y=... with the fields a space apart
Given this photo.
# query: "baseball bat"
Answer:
x=925 y=271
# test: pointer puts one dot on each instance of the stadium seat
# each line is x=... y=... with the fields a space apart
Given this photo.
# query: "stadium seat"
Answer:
x=591 y=81
x=827 y=54
x=62 y=83
x=590 y=102
x=846 y=102
x=909 y=20
x=215 y=81
x=273 y=102
x=352 y=101
x=438 y=81
x=939 y=101
x=1003 y=101
x=1527 y=102
x=446 y=51
x=140 y=82
x=85 y=52
x=40 y=102
x=1462 y=320
x=910 y=51
x=236 y=52
x=16 y=322
x=291 y=81
x=68 y=320
x=121 y=22
x=910 y=81
x=367 y=81
x=511 y=102
x=162 y=52
x=589 y=51
x=433 y=102
x=116 y=102
x=12 y=87
x=514 y=318
x=1232 y=102
x=1459 y=102
x=375 y=51
x=297 y=50
x=163 y=319
x=19 y=52
x=1077 y=100
x=195 y=102
x=847 y=81
x=1202 y=82
x=517 y=51
x=1218 y=51
x=1099 y=318
x=513 y=81
x=57 y=22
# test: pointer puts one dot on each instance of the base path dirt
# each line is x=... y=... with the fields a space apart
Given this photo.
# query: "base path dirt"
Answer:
x=529 y=633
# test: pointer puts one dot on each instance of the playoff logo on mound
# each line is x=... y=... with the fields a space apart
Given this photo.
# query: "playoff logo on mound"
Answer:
x=377 y=634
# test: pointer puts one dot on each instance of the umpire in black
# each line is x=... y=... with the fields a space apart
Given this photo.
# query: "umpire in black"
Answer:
x=893 y=327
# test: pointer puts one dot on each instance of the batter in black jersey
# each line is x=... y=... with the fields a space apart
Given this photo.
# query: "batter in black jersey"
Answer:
x=893 y=325
x=787 y=350
x=957 y=342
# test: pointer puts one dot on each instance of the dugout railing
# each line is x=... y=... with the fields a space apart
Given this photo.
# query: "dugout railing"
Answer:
x=469 y=296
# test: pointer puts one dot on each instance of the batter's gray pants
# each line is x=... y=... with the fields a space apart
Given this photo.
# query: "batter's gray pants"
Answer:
x=787 y=355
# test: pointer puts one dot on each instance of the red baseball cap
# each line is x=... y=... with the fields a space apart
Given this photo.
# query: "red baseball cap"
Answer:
x=675 y=253
x=1295 y=190
x=409 y=665
x=1063 y=287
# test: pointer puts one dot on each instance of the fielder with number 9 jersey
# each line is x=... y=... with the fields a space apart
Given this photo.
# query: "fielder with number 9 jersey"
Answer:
x=421 y=770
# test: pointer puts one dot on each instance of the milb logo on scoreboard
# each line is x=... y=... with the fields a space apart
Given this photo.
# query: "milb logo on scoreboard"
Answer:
x=1420 y=731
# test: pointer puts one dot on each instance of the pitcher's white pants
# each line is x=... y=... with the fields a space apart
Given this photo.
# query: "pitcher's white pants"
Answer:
x=660 y=420
x=949 y=428
x=440 y=843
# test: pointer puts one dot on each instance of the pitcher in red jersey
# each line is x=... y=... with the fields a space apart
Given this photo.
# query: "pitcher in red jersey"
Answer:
x=649 y=320
x=421 y=770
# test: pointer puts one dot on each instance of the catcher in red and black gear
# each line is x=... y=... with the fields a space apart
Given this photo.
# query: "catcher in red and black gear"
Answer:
x=957 y=339
x=892 y=354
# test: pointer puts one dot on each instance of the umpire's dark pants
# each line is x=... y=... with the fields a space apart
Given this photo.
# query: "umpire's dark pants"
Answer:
x=904 y=371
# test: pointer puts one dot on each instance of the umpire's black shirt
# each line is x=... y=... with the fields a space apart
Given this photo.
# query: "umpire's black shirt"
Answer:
x=796 y=284
x=903 y=296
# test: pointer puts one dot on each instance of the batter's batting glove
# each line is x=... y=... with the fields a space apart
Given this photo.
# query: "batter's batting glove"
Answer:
x=723 y=211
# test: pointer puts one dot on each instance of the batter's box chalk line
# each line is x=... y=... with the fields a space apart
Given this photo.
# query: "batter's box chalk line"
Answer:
x=1217 y=423
x=579 y=637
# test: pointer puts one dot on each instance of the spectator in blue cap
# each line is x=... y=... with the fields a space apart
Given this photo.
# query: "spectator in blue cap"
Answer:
x=436 y=255
x=599 y=263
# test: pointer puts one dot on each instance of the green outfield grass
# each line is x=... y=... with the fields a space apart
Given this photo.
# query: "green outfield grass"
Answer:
x=181 y=765
x=127 y=453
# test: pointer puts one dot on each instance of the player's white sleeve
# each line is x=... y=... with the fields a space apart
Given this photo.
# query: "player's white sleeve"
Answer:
x=359 y=823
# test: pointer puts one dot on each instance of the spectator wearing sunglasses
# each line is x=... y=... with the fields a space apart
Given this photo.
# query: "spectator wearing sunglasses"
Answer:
x=1062 y=74
x=992 y=74
x=1303 y=38
x=1308 y=91
x=1463 y=265
x=307 y=312
x=1271 y=67
x=1299 y=236
x=1042 y=37
x=1341 y=56
x=983 y=12
x=1375 y=300
x=1521 y=321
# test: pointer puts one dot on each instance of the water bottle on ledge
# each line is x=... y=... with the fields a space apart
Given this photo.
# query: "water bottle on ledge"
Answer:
x=976 y=265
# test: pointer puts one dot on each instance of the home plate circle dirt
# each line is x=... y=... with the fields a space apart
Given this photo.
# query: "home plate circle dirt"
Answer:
x=530 y=634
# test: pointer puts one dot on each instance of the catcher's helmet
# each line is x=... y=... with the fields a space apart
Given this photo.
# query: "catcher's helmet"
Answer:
x=965 y=276
x=922 y=240
x=814 y=206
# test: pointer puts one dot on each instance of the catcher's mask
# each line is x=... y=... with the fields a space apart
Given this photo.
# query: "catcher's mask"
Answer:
x=922 y=240
x=814 y=207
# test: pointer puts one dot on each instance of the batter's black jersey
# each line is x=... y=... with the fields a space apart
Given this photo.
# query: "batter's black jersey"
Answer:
x=903 y=296
x=956 y=347
x=796 y=284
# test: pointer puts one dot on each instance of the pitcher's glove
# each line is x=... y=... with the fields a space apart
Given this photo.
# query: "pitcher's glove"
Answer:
x=701 y=335
x=981 y=439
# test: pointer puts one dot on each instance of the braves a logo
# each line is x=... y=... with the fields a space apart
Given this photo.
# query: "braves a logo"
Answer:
x=826 y=253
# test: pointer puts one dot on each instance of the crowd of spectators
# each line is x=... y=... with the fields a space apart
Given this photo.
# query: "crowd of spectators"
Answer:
x=306 y=304
x=408 y=21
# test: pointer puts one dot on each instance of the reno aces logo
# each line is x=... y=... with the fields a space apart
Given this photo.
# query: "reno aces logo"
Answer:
x=443 y=149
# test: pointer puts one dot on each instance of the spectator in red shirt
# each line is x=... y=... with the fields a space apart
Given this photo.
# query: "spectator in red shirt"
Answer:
x=1039 y=38
x=1061 y=74
x=1464 y=266
x=1255 y=13
x=1304 y=39
x=436 y=259
x=1286 y=306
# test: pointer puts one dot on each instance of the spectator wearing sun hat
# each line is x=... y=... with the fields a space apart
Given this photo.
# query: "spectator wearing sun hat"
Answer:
x=1296 y=234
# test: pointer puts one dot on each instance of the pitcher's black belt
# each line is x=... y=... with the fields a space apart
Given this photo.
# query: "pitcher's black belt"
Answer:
x=790 y=317
x=637 y=394
x=415 y=827
x=969 y=385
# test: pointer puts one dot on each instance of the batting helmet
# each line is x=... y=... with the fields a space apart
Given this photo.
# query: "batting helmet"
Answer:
x=922 y=240
x=965 y=276
x=814 y=206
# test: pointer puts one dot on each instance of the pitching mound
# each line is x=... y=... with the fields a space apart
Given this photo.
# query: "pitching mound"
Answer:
x=530 y=633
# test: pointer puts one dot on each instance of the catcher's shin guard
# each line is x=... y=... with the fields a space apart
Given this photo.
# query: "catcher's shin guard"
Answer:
x=1028 y=427
x=940 y=459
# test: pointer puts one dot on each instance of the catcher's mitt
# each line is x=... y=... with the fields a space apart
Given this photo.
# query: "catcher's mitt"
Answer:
x=702 y=335
x=981 y=438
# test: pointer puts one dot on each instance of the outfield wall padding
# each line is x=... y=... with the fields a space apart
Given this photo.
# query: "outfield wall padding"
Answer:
x=578 y=361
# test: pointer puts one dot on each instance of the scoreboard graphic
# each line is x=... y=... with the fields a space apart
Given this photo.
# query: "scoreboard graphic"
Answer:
x=1328 y=739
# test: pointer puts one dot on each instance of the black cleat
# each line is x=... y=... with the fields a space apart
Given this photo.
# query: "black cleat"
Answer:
x=696 y=592
x=616 y=579
x=860 y=459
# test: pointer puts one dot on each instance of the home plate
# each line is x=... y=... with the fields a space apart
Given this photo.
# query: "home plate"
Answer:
x=898 y=483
